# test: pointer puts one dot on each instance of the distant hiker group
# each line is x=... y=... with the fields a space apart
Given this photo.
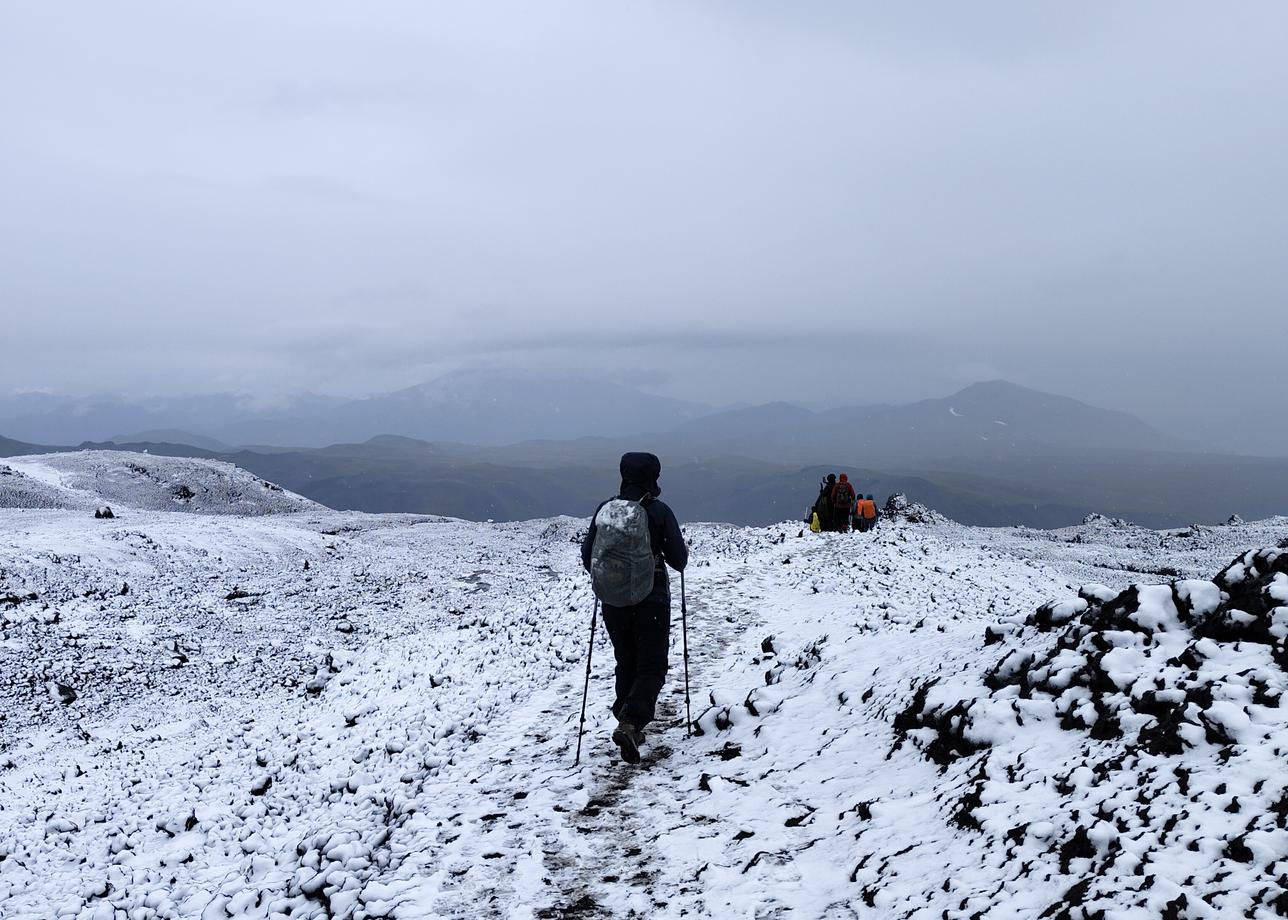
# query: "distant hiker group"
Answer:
x=840 y=506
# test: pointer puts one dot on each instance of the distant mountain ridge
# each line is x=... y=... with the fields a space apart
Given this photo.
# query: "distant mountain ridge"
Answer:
x=982 y=421
x=495 y=409
x=11 y=448
x=993 y=453
x=489 y=408
x=503 y=408
x=172 y=436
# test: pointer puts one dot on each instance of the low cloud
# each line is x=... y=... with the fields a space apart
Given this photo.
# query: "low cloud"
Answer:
x=727 y=202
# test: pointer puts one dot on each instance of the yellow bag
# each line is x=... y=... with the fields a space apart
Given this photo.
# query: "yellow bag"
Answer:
x=814 y=525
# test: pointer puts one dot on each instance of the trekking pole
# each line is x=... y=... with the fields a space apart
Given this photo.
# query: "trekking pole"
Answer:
x=684 y=629
x=581 y=727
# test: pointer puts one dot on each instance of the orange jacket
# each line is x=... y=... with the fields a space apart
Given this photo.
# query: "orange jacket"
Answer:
x=867 y=508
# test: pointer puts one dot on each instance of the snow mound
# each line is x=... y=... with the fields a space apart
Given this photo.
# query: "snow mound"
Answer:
x=20 y=490
x=900 y=507
x=1143 y=749
x=87 y=480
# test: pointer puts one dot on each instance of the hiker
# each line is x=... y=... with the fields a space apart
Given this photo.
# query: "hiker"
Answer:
x=860 y=514
x=866 y=512
x=630 y=538
x=842 y=499
x=823 y=504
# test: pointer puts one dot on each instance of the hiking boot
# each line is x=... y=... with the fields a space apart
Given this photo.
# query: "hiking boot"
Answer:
x=628 y=738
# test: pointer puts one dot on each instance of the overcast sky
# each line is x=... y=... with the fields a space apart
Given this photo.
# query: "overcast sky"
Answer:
x=725 y=201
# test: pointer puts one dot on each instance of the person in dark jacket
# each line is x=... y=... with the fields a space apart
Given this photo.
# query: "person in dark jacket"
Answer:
x=641 y=634
x=823 y=504
x=842 y=501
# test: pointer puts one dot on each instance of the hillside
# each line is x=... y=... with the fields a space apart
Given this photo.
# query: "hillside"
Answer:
x=993 y=421
x=87 y=480
x=343 y=715
x=11 y=448
x=172 y=436
x=541 y=479
x=991 y=454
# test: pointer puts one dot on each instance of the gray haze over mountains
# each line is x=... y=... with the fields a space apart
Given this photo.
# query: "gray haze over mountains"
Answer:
x=508 y=407
x=827 y=204
x=470 y=407
x=514 y=446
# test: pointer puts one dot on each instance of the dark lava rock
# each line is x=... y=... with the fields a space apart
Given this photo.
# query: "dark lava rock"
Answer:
x=899 y=507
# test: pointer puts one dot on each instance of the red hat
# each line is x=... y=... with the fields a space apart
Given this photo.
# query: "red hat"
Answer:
x=844 y=478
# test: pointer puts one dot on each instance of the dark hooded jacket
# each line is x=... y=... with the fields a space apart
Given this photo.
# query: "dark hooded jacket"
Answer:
x=640 y=473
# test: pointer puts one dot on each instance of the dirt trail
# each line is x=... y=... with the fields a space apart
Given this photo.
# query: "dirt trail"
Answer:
x=549 y=840
x=629 y=807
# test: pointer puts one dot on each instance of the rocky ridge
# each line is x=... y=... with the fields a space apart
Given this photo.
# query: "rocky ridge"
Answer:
x=1170 y=795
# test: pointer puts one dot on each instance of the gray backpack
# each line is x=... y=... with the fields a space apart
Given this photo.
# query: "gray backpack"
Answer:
x=621 y=559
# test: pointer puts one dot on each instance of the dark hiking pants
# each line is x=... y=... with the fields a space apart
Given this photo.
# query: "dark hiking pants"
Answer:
x=640 y=637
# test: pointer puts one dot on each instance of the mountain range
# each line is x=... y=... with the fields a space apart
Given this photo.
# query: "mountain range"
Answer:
x=475 y=407
x=993 y=453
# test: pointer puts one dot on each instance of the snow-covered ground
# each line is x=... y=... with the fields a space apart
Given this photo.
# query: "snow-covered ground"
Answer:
x=322 y=714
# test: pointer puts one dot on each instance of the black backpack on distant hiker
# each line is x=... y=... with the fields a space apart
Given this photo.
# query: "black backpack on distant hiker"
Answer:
x=622 y=564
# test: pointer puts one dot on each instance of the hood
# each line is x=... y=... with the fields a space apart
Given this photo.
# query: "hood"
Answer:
x=639 y=474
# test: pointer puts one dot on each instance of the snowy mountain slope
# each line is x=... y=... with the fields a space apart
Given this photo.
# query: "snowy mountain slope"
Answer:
x=21 y=489
x=125 y=479
x=342 y=715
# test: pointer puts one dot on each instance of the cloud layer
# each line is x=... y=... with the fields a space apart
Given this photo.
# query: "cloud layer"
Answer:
x=732 y=201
